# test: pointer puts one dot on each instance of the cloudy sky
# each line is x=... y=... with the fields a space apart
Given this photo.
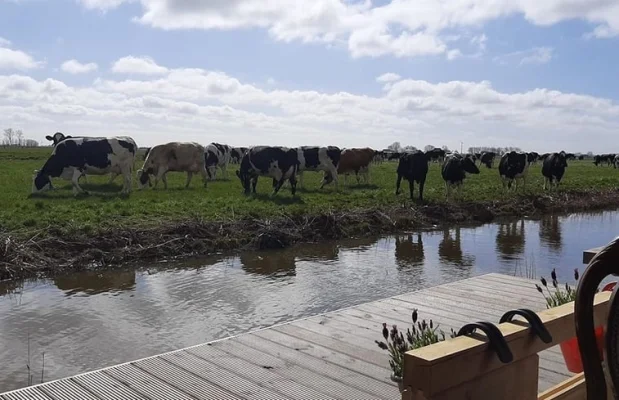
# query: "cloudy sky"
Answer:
x=541 y=75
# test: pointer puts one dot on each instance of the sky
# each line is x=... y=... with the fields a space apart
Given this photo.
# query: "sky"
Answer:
x=539 y=75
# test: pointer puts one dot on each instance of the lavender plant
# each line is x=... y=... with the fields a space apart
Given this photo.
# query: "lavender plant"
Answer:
x=559 y=296
x=397 y=342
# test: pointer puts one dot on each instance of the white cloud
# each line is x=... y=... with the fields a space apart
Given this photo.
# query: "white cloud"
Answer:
x=17 y=60
x=602 y=32
x=4 y=42
x=75 y=67
x=388 y=77
x=453 y=54
x=403 y=28
x=536 y=55
x=201 y=105
x=138 y=65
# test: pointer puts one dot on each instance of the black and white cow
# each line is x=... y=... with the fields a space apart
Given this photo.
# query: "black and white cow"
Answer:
x=553 y=168
x=314 y=158
x=454 y=171
x=513 y=166
x=217 y=155
x=92 y=155
x=532 y=157
x=436 y=154
x=279 y=163
x=487 y=158
x=616 y=161
x=414 y=168
x=236 y=153
x=57 y=138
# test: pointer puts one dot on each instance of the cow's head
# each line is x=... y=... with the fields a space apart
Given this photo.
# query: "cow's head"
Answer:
x=562 y=160
x=143 y=178
x=40 y=182
x=56 y=138
x=468 y=165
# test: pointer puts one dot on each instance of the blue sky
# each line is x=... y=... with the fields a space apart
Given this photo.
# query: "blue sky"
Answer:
x=305 y=71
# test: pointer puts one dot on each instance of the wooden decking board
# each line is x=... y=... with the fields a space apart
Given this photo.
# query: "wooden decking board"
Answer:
x=32 y=393
x=322 y=383
x=259 y=375
x=329 y=356
x=240 y=387
x=67 y=389
x=344 y=375
x=106 y=387
x=518 y=280
x=147 y=384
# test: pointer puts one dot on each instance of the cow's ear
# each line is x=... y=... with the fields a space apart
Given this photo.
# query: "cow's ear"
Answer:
x=49 y=138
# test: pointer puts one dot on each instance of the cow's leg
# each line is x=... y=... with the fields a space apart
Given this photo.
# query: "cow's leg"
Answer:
x=189 y=176
x=127 y=174
x=397 y=185
x=75 y=182
x=300 y=179
x=164 y=179
x=411 y=187
x=422 y=183
x=293 y=183
x=204 y=176
x=254 y=182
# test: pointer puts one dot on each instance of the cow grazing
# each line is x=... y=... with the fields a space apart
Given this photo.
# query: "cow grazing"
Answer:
x=513 y=166
x=414 y=168
x=454 y=171
x=93 y=155
x=313 y=158
x=217 y=156
x=279 y=163
x=436 y=154
x=487 y=158
x=173 y=157
x=553 y=168
x=353 y=160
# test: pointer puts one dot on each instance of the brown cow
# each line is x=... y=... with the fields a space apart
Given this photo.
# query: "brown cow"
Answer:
x=174 y=156
x=353 y=160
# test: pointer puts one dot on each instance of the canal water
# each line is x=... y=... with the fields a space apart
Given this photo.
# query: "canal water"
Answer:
x=91 y=320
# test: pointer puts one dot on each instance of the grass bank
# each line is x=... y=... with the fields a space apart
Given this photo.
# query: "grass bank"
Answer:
x=58 y=232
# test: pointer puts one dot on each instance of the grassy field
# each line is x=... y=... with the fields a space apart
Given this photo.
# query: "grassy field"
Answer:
x=224 y=200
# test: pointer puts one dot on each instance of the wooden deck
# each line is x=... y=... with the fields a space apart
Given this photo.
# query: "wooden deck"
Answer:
x=329 y=356
x=587 y=255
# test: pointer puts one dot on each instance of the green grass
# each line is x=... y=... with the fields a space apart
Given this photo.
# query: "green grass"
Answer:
x=223 y=199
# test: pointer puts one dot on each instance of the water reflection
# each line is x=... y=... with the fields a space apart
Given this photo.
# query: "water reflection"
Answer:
x=409 y=252
x=450 y=250
x=550 y=232
x=269 y=263
x=510 y=240
x=96 y=282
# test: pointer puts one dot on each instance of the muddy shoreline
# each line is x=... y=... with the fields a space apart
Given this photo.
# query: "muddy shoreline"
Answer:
x=49 y=252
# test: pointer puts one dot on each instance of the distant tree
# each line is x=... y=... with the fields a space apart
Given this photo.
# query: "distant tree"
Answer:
x=428 y=147
x=9 y=136
x=410 y=148
x=19 y=137
x=395 y=146
x=590 y=154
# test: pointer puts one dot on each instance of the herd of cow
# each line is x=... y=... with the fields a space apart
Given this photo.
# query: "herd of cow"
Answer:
x=76 y=157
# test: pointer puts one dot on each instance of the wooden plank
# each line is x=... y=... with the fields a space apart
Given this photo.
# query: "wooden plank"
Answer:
x=146 y=384
x=587 y=255
x=67 y=389
x=257 y=374
x=428 y=364
x=30 y=393
x=344 y=332
x=570 y=389
x=206 y=371
x=323 y=383
x=106 y=387
x=345 y=376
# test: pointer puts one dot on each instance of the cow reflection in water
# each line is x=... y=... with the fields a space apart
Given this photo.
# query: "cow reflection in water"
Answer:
x=550 y=232
x=409 y=253
x=94 y=282
x=450 y=250
x=510 y=240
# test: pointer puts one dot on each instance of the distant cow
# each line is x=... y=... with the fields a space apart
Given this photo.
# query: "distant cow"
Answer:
x=454 y=171
x=314 y=158
x=414 y=168
x=436 y=154
x=616 y=161
x=532 y=157
x=57 y=138
x=581 y=157
x=513 y=166
x=554 y=168
x=93 y=155
x=487 y=158
x=217 y=156
x=353 y=160
x=236 y=153
x=279 y=163
x=173 y=157
x=544 y=156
